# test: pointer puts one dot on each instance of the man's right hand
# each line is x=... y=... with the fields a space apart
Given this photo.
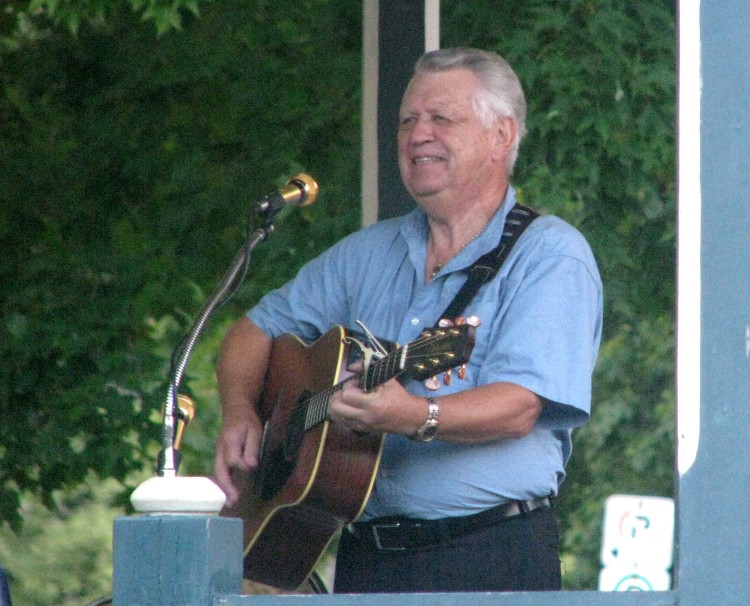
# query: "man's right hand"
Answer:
x=237 y=448
x=240 y=372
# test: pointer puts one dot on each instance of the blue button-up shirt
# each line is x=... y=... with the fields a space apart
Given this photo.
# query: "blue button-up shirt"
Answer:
x=540 y=328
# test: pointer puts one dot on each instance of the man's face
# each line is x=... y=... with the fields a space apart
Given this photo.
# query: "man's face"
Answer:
x=443 y=149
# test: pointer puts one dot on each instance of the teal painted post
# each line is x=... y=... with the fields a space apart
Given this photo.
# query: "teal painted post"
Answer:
x=714 y=525
x=176 y=560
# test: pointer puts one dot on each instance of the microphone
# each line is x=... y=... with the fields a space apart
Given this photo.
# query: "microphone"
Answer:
x=300 y=190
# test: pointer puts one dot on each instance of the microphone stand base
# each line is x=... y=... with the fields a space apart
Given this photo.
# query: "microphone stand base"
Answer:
x=178 y=495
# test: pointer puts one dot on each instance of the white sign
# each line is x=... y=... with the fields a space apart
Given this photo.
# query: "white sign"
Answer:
x=637 y=543
x=638 y=530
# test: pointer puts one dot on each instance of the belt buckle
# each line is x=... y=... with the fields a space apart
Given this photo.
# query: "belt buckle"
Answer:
x=379 y=544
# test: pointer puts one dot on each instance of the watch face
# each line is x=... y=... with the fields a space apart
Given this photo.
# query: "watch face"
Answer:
x=429 y=432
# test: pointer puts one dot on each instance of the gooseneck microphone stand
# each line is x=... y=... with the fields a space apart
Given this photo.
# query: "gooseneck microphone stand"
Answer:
x=169 y=459
x=300 y=190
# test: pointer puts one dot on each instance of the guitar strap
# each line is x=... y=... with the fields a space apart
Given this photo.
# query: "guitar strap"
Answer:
x=486 y=267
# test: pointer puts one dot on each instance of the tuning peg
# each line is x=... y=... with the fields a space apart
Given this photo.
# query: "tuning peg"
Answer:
x=462 y=372
x=432 y=384
x=473 y=321
x=445 y=323
x=447 y=377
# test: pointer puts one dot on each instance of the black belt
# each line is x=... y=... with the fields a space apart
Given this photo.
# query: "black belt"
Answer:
x=401 y=533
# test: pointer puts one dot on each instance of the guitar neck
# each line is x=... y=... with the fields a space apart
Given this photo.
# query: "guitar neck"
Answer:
x=379 y=371
x=434 y=351
x=317 y=409
x=383 y=369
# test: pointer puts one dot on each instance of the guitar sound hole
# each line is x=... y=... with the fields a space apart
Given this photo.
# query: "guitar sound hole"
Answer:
x=296 y=428
x=280 y=458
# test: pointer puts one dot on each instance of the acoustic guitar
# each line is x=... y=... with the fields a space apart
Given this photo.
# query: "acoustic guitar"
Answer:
x=315 y=476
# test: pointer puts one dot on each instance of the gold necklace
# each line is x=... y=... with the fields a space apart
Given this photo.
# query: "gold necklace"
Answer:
x=439 y=266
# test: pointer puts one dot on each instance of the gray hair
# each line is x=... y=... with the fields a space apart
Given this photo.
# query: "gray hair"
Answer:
x=500 y=94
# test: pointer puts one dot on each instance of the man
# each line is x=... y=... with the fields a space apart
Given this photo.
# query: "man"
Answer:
x=471 y=509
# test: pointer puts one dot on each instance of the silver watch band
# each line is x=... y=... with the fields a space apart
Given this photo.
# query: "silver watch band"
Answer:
x=429 y=428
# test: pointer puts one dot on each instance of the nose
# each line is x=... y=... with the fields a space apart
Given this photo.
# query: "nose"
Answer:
x=418 y=130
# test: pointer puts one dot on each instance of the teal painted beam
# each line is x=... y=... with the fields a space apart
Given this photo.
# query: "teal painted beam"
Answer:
x=551 y=598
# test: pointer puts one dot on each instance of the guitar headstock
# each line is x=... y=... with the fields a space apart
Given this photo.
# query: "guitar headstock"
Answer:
x=438 y=350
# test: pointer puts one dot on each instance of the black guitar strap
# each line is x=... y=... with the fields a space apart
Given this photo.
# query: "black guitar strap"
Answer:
x=486 y=267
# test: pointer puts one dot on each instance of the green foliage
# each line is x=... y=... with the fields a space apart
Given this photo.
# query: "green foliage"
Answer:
x=24 y=20
x=601 y=85
x=127 y=164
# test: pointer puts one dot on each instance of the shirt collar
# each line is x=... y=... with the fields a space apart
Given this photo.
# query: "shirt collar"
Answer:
x=415 y=231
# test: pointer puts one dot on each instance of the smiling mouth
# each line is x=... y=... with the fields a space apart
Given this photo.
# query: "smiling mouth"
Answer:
x=426 y=160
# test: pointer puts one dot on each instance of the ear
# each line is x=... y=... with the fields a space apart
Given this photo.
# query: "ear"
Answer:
x=506 y=131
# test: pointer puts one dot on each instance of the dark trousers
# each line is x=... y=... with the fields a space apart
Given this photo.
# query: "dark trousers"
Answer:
x=516 y=554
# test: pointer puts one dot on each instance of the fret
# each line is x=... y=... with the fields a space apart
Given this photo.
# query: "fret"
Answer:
x=317 y=407
x=381 y=370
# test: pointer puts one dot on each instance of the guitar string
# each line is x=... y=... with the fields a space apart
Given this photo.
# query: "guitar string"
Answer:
x=319 y=401
x=382 y=368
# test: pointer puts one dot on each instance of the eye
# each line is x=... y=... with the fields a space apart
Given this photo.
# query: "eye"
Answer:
x=407 y=120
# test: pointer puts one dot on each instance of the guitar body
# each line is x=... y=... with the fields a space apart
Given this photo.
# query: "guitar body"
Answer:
x=316 y=476
x=305 y=492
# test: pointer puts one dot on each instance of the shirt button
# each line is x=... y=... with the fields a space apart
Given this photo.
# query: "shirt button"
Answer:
x=415 y=321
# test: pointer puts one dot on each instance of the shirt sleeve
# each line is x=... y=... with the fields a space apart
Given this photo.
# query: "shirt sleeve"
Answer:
x=545 y=336
x=310 y=303
x=338 y=287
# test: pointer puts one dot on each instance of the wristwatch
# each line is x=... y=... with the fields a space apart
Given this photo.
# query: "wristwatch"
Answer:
x=429 y=428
